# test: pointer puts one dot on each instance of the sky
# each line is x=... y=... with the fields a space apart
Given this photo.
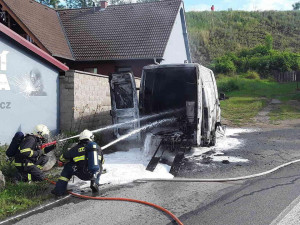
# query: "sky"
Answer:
x=247 y=5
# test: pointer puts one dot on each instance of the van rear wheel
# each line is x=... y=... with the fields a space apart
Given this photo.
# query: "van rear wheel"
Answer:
x=213 y=138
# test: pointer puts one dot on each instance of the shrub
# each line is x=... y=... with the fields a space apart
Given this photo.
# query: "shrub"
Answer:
x=224 y=65
x=262 y=59
x=252 y=75
x=6 y=166
x=228 y=85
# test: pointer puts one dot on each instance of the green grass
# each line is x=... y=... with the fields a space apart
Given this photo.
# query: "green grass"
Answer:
x=247 y=97
x=259 y=88
x=19 y=197
x=285 y=112
x=213 y=34
x=241 y=110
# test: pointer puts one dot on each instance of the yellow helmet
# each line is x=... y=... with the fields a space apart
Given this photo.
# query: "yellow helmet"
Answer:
x=86 y=134
x=41 y=130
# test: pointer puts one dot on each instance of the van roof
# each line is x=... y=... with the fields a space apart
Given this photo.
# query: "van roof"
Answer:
x=171 y=65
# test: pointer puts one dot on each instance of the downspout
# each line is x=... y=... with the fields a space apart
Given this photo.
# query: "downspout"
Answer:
x=185 y=35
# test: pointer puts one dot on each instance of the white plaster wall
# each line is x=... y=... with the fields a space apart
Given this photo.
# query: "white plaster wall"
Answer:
x=24 y=109
x=175 y=51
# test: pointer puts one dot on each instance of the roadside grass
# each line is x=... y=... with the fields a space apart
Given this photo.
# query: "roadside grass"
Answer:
x=21 y=196
x=241 y=110
x=247 y=97
x=285 y=112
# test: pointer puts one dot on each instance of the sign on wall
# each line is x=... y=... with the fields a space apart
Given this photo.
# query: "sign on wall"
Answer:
x=4 y=85
x=31 y=85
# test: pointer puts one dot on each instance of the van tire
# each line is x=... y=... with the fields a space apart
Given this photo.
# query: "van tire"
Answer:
x=213 y=138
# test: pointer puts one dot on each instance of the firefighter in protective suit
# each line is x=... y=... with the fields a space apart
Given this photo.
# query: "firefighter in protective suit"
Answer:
x=30 y=159
x=76 y=163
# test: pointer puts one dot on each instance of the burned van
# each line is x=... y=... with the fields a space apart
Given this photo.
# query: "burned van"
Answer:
x=185 y=91
x=191 y=87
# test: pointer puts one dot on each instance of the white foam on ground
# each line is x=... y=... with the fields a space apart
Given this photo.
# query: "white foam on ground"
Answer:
x=237 y=131
x=231 y=159
x=125 y=167
x=229 y=141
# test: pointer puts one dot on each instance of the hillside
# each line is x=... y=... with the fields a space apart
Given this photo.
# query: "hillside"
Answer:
x=214 y=33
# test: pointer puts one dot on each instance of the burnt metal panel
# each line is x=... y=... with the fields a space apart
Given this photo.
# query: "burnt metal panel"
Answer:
x=124 y=103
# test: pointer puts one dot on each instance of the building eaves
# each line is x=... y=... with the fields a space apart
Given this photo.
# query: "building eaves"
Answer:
x=42 y=24
x=16 y=37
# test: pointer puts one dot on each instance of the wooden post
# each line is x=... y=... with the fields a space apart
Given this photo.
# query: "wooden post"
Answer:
x=8 y=21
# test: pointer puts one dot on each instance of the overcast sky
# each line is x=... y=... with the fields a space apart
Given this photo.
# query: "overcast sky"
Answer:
x=249 y=5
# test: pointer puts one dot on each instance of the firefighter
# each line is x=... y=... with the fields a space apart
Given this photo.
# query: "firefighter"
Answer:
x=77 y=163
x=29 y=158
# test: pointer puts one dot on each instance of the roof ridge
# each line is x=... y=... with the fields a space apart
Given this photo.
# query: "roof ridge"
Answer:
x=139 y=3
x=133 y=3
x=65 y=34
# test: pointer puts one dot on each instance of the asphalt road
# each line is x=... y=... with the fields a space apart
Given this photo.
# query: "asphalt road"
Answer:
x=258 y=201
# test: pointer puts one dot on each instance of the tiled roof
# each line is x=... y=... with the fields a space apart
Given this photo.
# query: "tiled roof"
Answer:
x=129 y=31
x=44 y=23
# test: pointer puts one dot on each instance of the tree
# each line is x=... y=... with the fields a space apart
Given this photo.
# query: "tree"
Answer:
x=51 y=3
x=89 y=3
x=72 y=4
x=147 y=0
x=296 y=6
x=269 y=42
x=118 y=2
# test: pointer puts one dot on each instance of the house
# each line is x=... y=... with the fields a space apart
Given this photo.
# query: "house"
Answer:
x=104 y=39
x=29 y=86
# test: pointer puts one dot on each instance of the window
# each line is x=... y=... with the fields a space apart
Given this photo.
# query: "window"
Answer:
x=91 y=70
x=123 y=95
x=123 y=69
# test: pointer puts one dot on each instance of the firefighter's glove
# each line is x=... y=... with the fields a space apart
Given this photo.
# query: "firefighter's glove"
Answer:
x=49 y=148
x=60 y=163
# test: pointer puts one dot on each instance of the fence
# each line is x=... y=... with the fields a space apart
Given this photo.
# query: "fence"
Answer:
x=289 y=76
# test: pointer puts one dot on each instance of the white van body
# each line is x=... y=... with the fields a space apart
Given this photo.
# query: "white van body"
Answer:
x=190 y=86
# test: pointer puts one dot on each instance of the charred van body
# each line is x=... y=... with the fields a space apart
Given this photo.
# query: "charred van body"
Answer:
x=185 y=91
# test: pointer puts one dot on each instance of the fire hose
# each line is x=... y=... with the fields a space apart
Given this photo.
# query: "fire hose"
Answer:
x=124 y=199
x=218 y=179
